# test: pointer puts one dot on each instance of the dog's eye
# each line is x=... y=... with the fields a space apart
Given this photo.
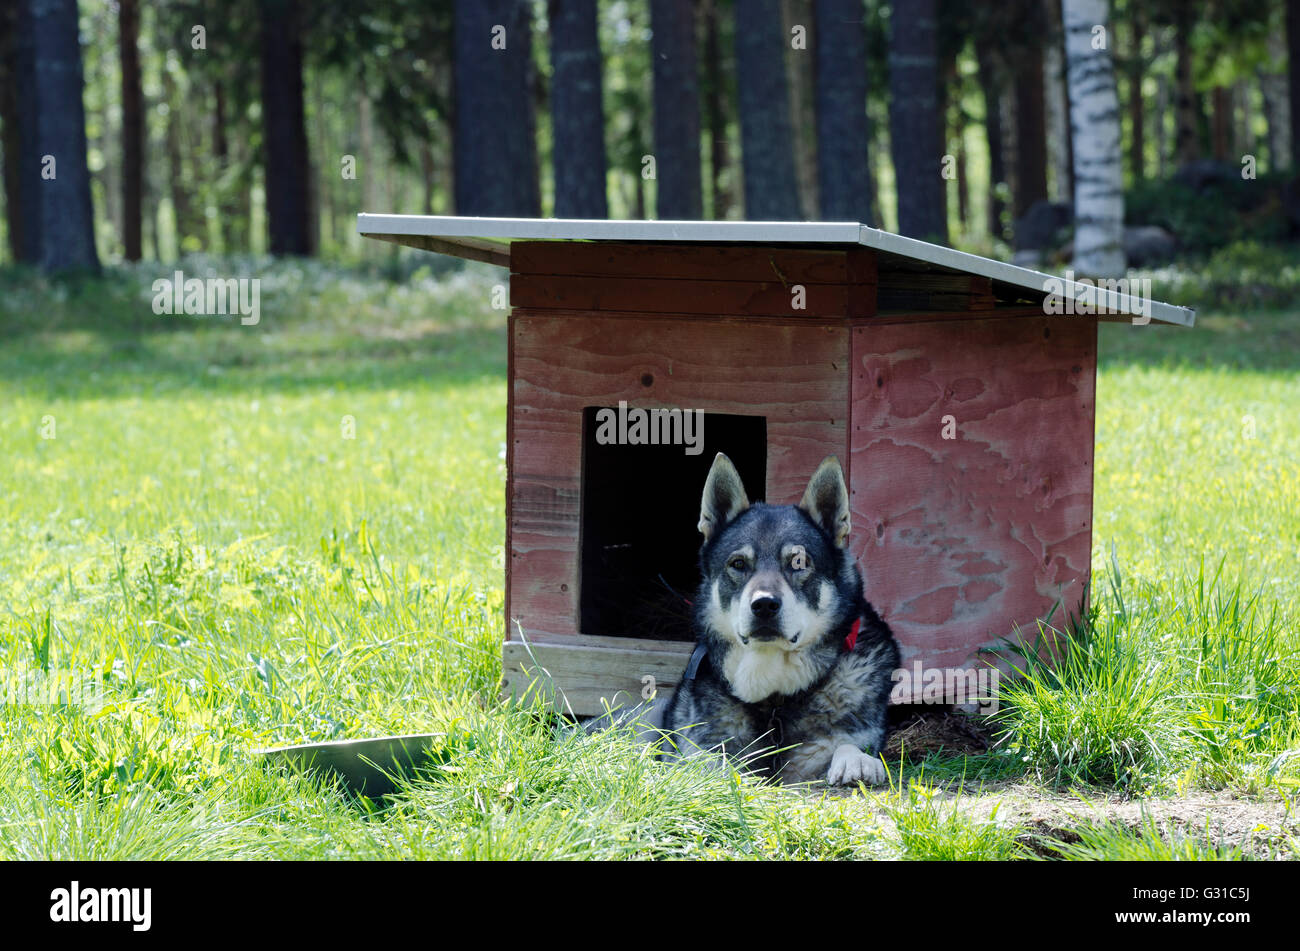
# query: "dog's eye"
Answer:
x=738 y=564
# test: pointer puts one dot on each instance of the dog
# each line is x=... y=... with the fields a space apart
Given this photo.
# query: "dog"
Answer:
x=791 y=659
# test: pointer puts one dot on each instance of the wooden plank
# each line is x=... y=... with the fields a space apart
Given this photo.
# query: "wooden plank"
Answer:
x=510 y=458
x=793 y=374
x=586 y=675
x=855 y=265
x=962 y=539
x=934 y=291
x=654 y=295
x=914 y=316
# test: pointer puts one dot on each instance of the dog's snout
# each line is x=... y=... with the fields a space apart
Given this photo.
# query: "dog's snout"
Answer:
x=765 y=606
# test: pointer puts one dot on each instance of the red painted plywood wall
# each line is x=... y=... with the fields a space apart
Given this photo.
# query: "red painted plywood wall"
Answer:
x=960 y=539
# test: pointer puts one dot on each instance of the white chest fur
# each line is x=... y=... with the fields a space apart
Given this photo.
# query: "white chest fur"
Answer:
x=760 y=671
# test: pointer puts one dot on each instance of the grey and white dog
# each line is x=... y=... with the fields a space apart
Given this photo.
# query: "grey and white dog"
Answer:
x=793 y=667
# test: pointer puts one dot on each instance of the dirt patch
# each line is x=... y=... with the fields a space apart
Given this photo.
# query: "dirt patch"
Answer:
x=1254 y=825
x=931 y=731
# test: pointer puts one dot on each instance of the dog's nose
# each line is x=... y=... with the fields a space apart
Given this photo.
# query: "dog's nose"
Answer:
x=765 y=607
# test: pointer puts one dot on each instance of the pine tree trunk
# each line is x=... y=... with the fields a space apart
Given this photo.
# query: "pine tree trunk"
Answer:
x=577 y=116
x=10 y=127
x=67 y=216
x=1094 y=111
x=221 y=156
x=1221 y=123
x=914 y=122
x=128 y=18
x=1186 y=109
x=991 y=84
x=676 y=111
x=803 y=125
x=1056 y=110
x=1277 y=111
x=1164 y=97
x=284 y=130
x=1031 y=132
x=715 y=109
x=1243 y=110
x=177 y=180
x=843 y=134
x=496 y=130
x=1293 y=74
x=27 y=164
x=771 y=189
x=1136 y=104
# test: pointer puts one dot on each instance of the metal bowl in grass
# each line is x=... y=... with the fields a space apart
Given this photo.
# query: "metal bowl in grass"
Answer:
x=372 y=767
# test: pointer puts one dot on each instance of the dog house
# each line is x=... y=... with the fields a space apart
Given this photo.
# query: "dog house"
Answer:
x=958 y=393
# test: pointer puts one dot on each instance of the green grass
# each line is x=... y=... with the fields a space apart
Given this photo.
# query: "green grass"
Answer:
x=1149 y=842
x=930 y=830
x=200 y=536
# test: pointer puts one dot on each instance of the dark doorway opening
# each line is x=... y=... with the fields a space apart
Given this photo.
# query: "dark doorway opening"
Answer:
x=640 y=540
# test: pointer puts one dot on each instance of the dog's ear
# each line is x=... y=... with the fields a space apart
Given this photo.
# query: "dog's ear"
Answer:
x=724 y=497
x=826 y=500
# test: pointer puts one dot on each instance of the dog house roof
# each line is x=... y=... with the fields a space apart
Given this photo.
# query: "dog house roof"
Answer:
x=488 y=239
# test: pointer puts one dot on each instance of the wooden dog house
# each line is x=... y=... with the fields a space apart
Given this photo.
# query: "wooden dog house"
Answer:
x=959 y=403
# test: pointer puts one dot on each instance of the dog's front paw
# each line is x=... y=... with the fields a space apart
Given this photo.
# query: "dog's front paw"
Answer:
x=850 y=765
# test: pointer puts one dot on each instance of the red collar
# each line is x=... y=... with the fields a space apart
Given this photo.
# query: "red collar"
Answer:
x=852 y=637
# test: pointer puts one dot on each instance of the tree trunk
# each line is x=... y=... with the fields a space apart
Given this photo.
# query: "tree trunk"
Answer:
x=1243 y=110
x=577 y=117
x=11 y=118
x=426 y=177
x=771 y=190
x=1293 y=73
x=67 y=216
x=177 y=180
x=496 y=130
x=1094 y=111
x=1221 y=123
x=1186 y=109
x=221 y=156
x=128 y=19
x=843 y=135
x=676 y=110
x=1277 y=111
x=1164 y=91
x=991 y=83
x=1031 y=132
x=803 y=125
x=1136 y=102
x=914 y=122
x=714 y=103
x=284 y=130
x=1056 y=107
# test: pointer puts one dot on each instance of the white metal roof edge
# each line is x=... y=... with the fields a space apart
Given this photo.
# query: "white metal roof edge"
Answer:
x=541 y=229
x=450 y=228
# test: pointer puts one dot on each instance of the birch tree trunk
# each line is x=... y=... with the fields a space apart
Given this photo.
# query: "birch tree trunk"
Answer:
x=1094 y=117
